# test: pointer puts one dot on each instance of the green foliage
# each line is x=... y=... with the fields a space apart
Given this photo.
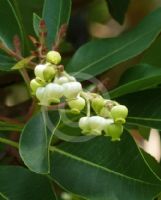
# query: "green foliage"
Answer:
x=35 y=141
x=55 y=17
x=96 y=166
x=101 y=55
x=53 y=154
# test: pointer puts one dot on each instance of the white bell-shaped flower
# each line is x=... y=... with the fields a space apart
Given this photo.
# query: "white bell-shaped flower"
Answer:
x=61 y=80
x=45 y=72
x=72 y=89
x=97 y=124
x=84 y=124
x=40 y=94
x=39 y=69
x=92 y=125
x=53 y=92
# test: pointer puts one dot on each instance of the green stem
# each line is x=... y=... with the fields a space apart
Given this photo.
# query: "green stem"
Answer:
x=9 y=142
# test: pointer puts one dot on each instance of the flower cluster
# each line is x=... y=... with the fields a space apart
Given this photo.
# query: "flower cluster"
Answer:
x=53 y=84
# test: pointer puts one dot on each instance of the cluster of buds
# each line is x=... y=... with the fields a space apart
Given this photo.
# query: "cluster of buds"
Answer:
x=109 y=119
x=53 y=84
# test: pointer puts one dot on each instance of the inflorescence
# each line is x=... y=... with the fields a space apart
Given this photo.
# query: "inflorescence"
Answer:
x=52 y=84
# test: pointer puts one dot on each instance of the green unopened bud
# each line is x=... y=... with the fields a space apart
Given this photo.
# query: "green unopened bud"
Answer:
x=53 y=57
x=53 y=92
x=77 y=105
x=114 y=130
x=49 y=73
x=34 y=84
x=72 y=89
x=97 y=104
x=104 y=112
x=119 y=113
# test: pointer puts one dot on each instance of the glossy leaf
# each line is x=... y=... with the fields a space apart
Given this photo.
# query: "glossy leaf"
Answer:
x=55 y=13
x=101 y=169
x=18 y=183
x=101 y=55
x=11 y=21
x=144 y=108
x=152 y=56
x=35 y=140
x=137 y=78
x=118 y=9
x=6 y=62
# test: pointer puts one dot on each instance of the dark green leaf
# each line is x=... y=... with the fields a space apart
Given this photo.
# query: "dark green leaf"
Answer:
x=6 y=62
x=17 y=183
x=101 y=169
x=101 y=55
x=118 y=9
x=9 y=23
x=35 y=140
x=55 y=13
x=144 y=108
x=152 y=56
x=137 y=78
x=36 y=23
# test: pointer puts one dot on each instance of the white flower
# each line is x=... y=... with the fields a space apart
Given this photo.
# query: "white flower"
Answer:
x=84 y=124
x=39 y=69
x=53 y=92
x=40 y=94
x=96 y=124
x=92 y=125
x=72 y=89
x=45 y=72
x=61 y=80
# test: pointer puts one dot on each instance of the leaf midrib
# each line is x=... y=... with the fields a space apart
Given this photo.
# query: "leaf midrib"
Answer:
x=117 y=50
x=125 y=85
x=92 y=164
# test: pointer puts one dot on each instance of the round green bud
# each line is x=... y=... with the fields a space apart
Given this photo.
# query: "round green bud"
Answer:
x=49 y=73
x=53 y=57
x=72 y=89
x=34 y=84
x=77 y=105
x=97 y=104
x=104 y=112
x=119 y=113
x=114 y=130
x=53 y=92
